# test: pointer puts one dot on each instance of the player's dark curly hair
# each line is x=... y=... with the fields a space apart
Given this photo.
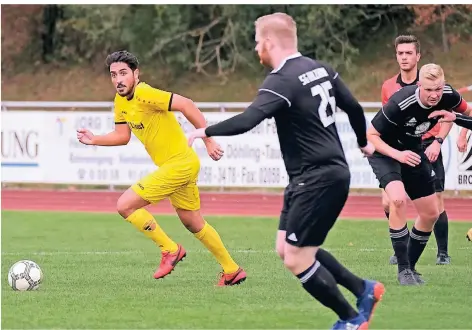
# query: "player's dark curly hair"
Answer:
x=123 y=56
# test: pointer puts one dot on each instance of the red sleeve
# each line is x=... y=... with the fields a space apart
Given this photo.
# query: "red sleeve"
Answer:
x=462 y=107
x=384 y=95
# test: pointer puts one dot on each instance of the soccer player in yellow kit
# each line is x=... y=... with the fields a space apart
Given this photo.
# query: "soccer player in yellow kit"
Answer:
x=146 y=111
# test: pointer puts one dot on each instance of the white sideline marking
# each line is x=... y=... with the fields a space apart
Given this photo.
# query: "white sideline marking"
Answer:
x=53 y=253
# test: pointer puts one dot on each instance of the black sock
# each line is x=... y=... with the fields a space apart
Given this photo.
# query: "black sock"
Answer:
x=340 y=273
x=400 y=238
x=319 y=282
x=441 y=230
x=387 y=214
x=416 y=245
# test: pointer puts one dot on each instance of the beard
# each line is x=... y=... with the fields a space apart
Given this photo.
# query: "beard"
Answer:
x=264 y=58
x=124 y=93
x=123 y=90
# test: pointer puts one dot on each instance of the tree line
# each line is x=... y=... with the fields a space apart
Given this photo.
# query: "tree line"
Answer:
x=218 y=39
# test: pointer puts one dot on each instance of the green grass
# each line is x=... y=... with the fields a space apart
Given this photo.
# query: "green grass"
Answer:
x=98 y=275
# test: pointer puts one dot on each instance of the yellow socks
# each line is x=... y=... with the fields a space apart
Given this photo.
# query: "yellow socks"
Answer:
x=145 y=222
x=212 y=241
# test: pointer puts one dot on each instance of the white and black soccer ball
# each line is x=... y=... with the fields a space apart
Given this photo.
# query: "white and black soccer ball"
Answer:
x=25 y=275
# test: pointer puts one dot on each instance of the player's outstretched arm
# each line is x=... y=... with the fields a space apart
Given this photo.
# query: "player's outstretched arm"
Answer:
x=459 y=119
x=120 y=136
x=193 y=114
x=238 y=124
x=348 y=103
x=266 y=104
x=462 y=118
x=268 y=101
x=444 y=116
x=189 y=109
x=464 y=121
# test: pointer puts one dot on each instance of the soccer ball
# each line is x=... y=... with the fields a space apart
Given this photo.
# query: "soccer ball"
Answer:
x=469 y=234
x=25 y=275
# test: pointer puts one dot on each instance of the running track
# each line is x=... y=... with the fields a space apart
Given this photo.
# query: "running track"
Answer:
x=237 y=204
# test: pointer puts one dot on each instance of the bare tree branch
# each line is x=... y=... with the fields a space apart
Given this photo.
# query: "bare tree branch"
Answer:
x=193 y=33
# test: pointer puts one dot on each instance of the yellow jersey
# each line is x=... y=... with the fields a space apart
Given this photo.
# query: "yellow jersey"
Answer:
x=150 y=118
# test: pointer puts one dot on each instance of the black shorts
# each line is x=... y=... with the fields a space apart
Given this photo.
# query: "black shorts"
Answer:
x=418 y=181
x=438 y=167
x=312 y=204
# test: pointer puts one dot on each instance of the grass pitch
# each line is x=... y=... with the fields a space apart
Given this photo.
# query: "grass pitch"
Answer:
x=98 y=275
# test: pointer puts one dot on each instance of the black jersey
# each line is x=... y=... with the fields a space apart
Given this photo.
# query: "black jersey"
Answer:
x=403 y=120
x=306 y=127
x=302 y=96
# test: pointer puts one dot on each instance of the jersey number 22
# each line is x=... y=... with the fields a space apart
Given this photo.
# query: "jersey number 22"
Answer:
x=323 y=91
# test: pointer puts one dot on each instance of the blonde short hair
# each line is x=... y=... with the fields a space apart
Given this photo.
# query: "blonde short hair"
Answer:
x=280 y=25
x=431 y=71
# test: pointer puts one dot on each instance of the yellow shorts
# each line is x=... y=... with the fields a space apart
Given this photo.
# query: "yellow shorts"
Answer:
x=174 y=180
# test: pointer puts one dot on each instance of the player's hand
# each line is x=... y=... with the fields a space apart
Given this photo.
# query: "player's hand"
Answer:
x=199 y=133
x=85 y=136
x=462 y=144
x=433 y=150
x=408 y=157
x=445 y=116
x=214 y=149
x=368 y=150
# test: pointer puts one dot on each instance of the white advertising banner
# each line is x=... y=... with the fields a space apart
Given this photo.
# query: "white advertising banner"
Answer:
x=450 y=156
x=464 y=166
x=22 y=147
x=83 y=164
x=42 y=147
